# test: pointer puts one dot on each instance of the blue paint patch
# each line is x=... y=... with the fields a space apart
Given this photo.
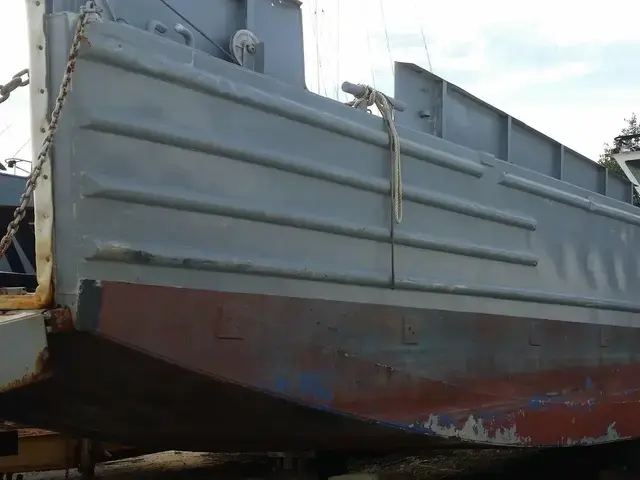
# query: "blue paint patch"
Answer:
x=313 y=385
x=416 y=427
x=447 y=420
x=588 y=383
x=263 y=385
x=542 y=402
x=308 y=385
x=282 y=385
x=489 y=416
x=539 y=402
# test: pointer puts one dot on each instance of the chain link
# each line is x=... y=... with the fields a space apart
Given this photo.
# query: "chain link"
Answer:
x=36 y=170
x=15 y=82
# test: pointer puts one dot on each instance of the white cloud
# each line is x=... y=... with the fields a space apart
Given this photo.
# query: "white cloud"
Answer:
x=517 y=80
x=462 y=36
x=566 y=23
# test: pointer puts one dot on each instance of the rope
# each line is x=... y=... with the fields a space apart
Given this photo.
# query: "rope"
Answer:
x=370 y=96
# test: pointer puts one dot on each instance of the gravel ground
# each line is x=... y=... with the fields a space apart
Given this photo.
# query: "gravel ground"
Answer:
x=435 y=465
x=165 y=465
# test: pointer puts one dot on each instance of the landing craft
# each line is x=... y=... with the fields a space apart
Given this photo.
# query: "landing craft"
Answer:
x=225 y=261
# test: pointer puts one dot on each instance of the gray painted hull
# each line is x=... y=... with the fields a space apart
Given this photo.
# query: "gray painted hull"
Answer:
x=232 y=173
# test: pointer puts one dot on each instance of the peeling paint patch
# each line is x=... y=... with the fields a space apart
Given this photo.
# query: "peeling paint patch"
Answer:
x=504 y=432
x=475 y=430
x=611 y=435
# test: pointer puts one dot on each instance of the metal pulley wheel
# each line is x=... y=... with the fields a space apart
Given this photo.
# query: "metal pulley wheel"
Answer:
x=243 y=42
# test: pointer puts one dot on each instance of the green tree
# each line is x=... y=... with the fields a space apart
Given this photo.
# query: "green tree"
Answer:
x=632 y=127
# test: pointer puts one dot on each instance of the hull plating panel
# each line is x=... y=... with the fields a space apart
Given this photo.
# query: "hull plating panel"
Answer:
x=176 y=168
x=447 y=111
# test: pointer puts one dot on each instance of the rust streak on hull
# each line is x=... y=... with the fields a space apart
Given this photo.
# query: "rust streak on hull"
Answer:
x=355 y=360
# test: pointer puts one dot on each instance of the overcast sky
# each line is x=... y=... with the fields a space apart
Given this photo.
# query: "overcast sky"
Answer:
x=564 y=67
x=14 y=52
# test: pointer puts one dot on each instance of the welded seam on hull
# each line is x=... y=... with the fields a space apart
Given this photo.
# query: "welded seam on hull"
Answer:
x=111 y=51
x=104 y=187
x=474 y=430
x=186 y=258
x=189 y=139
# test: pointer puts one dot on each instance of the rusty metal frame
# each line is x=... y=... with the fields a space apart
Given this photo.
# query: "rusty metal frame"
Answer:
x=40 y=450
x=37 y=450
x=43 y=194
x=24 y=341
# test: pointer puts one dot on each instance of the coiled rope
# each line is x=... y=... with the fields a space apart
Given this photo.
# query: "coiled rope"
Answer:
x=370 y=96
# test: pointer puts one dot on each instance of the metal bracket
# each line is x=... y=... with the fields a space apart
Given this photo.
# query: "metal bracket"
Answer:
x=247 y=50
x=357 y=90
x=227 y=324
x=409 y=331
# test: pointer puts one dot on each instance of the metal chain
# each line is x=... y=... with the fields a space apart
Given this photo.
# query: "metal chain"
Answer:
x=33 y=177
x=15 y=82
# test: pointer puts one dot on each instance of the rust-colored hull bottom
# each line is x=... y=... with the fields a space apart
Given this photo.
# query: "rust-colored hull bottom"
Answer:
x=202 y=370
